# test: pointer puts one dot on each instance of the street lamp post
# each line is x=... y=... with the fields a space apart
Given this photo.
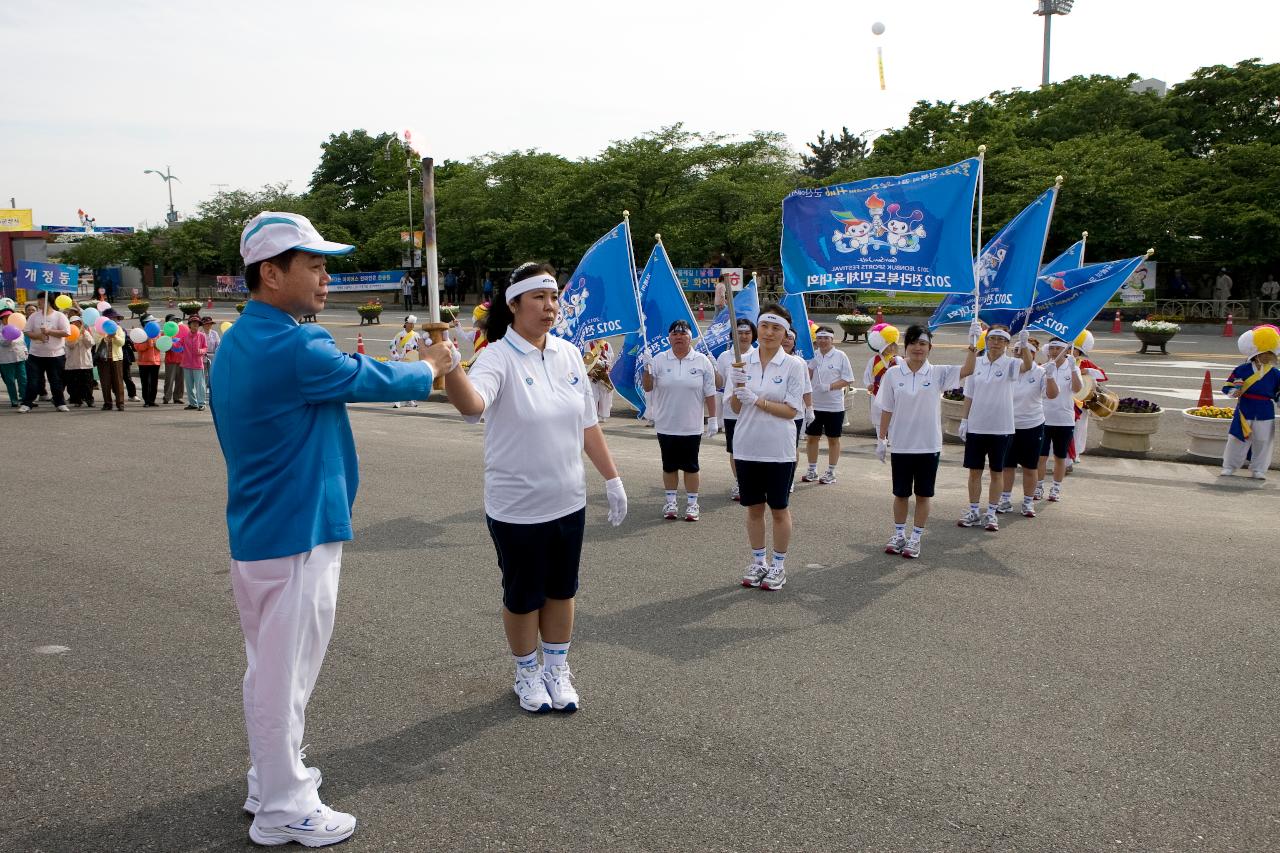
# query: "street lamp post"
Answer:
x=168 y=177
x=1047 y=9
x=408 y=185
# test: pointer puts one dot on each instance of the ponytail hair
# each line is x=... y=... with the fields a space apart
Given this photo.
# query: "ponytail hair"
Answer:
x=500 y=315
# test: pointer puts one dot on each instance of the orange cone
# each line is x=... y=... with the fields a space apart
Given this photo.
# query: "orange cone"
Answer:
x=1115 y=325
x=879 y=314
x=1229 y=330
x=209 y=304
x=360 y=343
x=702 y=315
x=1206 y=391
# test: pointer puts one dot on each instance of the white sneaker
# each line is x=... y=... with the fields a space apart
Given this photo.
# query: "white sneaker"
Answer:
x=733 y=493
x=754 y=574
x=322 y=827
x=1225 y=472
x=692 y=512
x=23 y=409
x=1028 y=510
x=1039 y=494
x=395 y=405
x=63 y=408
x=413 y=404
x=532 y=690
x=558 y=681
x=774 y=579
x=969 y=519
x=252 y=802
x=827 y=478
x=912 y=549
x=669 y=510
x=1055 y=493
x=1258 y=475
x=896 y=544
x=809 y=477
x=1005 y=506
x=991 y=523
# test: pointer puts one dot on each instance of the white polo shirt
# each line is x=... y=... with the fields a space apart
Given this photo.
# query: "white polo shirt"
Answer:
x=681 y=387
x=536 y=406
x=829 y=368
x=760 y=436
x=915 y=399
x=1060 y=411
x=990 y=387
x=724 y=366
x=1028 y=399
x=54 y=321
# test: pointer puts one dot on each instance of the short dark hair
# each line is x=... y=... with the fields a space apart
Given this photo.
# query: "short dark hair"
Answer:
x=749 y=324
x=826 y=329
x=915 y=333
x=500 y=315
x=253 y=272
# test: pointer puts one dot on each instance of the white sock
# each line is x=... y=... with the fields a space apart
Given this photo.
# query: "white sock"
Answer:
x=757 y=556
x=527 y=661
x=554 y=654
x=831 y=469
x=1006 y=496
x=693 y=498
x=973 y=507
x=916 y=533
x=900 y=530
x=1057 y=484
x=779 y=557
x=671 y=496
x=1027 y=500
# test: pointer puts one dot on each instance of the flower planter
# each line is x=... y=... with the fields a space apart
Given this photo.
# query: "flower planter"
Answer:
x=1154 y=339
x=1129 y=431
x=189 y=308
x=951 y=412
x=856 y=330
x=370 y=315
x=1206 y=437
x=139 y=308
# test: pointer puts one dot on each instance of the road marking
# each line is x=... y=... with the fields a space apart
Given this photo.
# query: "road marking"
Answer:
x=51 y=650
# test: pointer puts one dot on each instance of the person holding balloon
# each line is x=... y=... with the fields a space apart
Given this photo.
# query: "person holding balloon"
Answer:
x=13 y=351
x=110 y=359
x=47 y=328
x=193 y=350
x=170 y=343
x=77 y=374
x=1255 y=386
x=149 y=358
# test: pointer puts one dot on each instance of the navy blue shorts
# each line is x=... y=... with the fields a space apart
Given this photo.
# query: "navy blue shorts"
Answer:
x=765 y=482
x=1056 y=441
x=914 y=472
x=538 y=561
x=679 y=452
x=830 y=424
x=985 y=449
x=1024 y=449
x=729 y=424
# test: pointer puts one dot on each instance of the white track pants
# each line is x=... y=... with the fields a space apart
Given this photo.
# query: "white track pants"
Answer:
x=1082 y=433
x=1260 y=440
x=286 y=612
x=604 y=400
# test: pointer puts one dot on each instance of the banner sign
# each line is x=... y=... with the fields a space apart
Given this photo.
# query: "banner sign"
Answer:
x=1141 y=285
x=704 y=278
x=746 y=305
x=911 y=232
x=1006 y=270
x=340 y=282
x=90 y=229
x=600 y=297
x=51 y=278
x=15 y=219
x=231 y=284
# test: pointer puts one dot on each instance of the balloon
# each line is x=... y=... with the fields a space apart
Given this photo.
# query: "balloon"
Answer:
x=109 y=327
x=164 y=343
x=18 y=321
x=90 y=316
x=1265 y=339
x=103 y=306
x=1248 y=348
x=137 y=335
x=152 y=329
x=74 y=334
x=63 y=302
x=170 y=329
x=226 y=324
x=98 y=324
x=877 y=28
x=10 y=332
x=183 y=331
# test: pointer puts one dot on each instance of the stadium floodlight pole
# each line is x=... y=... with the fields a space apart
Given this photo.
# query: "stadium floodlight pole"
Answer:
x=168 y=177
x=1047 y=9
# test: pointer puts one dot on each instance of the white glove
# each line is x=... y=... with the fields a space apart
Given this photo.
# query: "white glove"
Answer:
x=617 y=500
x=746 y=396
x=963 y=430
x=1094 y=372
x=455 y=359
x=711 y=428
x=882 y=449
x=808 y=416
x=738 y=376
x=1023 y=338
x=646 y=361
x=975 y=330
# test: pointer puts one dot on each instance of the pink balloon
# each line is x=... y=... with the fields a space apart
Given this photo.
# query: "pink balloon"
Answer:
x=103 y=306
x=183 y=331
x=98 y=323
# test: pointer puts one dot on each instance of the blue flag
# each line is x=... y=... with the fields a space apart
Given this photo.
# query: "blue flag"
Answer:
x=1071 y=259
x=794 y=303
x=913 y=232
x=662 y=302
x=600 y=298
x=1006 y=270
x=718 y=338
x=1076 y=296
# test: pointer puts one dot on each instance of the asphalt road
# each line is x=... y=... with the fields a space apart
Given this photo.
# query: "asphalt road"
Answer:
x=1101 y=677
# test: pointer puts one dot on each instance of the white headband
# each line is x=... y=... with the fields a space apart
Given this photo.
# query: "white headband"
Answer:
x=772 y=318
x=826 y=335
x=999 y=333
x=538 y=282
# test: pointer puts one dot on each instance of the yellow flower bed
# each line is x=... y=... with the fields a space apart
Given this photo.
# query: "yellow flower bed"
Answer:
x=1212 y=412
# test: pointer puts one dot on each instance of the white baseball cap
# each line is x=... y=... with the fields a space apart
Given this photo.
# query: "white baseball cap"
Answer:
x=270 y=233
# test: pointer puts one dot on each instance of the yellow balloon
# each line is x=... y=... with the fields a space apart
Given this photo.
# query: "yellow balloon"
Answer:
x=226 y=324
x=63 y=302
x=1265 y=338
x=890 y=334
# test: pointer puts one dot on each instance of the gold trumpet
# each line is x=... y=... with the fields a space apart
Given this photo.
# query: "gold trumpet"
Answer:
x=597 y=371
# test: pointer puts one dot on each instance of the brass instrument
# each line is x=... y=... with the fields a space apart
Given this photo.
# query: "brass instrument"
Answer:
x=597 y=370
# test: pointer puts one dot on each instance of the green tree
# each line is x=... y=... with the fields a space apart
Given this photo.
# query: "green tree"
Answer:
x=1223 y=105
x=94 y=253
x=830 y=153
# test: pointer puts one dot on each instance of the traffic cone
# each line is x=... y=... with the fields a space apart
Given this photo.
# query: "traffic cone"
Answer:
x=209 y=304
x=360 y=343
x=702 y=315
x=1206 y=391
x=879 y=314
x=1115 y=325
x=1229 y=330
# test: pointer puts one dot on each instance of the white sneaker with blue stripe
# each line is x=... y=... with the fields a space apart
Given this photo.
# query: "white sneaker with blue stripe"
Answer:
x=532 y=690
x=558 y=680
x=322 y=827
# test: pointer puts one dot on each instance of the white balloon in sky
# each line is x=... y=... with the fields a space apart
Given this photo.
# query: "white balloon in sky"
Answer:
x=877 y=28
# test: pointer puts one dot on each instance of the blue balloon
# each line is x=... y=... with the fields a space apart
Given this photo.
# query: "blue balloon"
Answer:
x=90 y=316
x=152 y=329
x=110 y=327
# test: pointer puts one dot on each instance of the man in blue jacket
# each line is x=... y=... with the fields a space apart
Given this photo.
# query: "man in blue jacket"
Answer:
x=279 y=399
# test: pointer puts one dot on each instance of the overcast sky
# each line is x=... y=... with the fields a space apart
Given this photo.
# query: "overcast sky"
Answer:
x=242 y=92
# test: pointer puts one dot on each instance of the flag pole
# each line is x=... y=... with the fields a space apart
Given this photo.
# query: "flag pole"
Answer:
x=635 y=283
x=982 y=157
x=1057 y=187
x=1084 y=240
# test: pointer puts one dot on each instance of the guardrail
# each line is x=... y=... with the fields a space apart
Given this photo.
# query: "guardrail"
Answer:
x=1213 y=309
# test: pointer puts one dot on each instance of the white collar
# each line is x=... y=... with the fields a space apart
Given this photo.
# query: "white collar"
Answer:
x=520 y=344
x=754 y=356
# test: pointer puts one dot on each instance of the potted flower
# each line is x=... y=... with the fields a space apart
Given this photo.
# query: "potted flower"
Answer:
x=1131 y=425
x=1207 y=430
x=448 y=313
x=952 y=410
x=138 y=307
x=240 y=307
x=189 y=307
x=1152 y=332
x=855 y=324
x=90 y=304
x=370 y=312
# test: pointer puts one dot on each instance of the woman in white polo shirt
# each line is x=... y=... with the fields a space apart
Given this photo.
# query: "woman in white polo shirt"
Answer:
x=1029 y=394
x=745 y=330
x=986 y=426
x=532 y=389
x=1059 y=417
x=831 y=374
x=768 y=394
x=910 y=403
x=680 y=385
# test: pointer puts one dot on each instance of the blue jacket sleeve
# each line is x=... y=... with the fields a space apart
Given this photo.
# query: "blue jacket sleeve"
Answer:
x=328 y=375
